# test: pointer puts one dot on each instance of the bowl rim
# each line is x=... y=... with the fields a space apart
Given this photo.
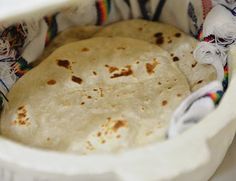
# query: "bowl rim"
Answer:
x=36 y=159
x=22 y=156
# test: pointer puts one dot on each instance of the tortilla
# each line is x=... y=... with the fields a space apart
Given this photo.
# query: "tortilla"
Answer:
x=177 y=43
x=95 y=96
x=67 y=36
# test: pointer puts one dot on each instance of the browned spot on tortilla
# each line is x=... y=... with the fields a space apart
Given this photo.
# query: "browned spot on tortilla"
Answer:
x=149 y=133
x=194 y=65
x=82 y=103
x=124 y=72
x=177 y=35
x=175 y=59
x=120 y=48
x=191 y=52
x=101 y=92
x=151 y=66
x=172 y=54
x=158 y=34
x=21 y=107
x=140 y=29
x=94 y=73
x=170 y=41
x=51 y=82
x=99 y=134
x=48 y=139
x=111 y=69
x=118 y=136
x=95 y=89
x=103 y=141
x=179 y=95
x=200 y=81
x=21 y=117
x=164 y=102
x=89 y=146
x=76 y=79
x=119 y=124
x=84 y=49
x=160 y=40
x=89 y=97
x=159 y=83
x=64 y=63
x=137 y=62
x=22 y=114
x=169 y=88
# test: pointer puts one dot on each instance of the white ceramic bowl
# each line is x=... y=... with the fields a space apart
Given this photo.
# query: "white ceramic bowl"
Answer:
x=194 y=155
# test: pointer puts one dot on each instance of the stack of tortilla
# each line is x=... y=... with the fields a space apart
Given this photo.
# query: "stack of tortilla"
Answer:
x=112 y=92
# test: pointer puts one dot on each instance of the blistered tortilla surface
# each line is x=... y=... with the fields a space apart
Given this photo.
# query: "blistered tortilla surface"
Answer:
x=177 y=43
x=99 y=95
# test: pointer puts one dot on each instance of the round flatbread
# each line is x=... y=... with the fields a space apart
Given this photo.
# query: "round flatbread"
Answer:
x=94 y=96
x=177 y=43
x=69 y=35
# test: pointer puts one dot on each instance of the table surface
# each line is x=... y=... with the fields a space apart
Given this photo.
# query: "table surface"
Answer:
x=227 y=170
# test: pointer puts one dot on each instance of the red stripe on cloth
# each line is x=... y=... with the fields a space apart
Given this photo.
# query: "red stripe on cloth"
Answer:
x=206 y=7
x=103 y=11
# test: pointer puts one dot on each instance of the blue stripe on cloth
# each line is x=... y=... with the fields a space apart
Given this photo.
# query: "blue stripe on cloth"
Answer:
x=158 y=11
x=142 y=6
x=1 y=81
x=127 y=2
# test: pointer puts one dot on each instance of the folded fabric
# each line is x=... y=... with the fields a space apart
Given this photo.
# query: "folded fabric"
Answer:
x=216 y=40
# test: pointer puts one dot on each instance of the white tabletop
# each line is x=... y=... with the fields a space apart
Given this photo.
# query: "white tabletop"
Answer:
x=227 y=170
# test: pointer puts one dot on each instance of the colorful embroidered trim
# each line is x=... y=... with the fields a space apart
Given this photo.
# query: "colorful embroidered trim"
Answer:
x=215 y=96
x=226 y=77
x=16 y=36
x=200 y=33
x=52 y=28
x=20 y=67
x=103 y=10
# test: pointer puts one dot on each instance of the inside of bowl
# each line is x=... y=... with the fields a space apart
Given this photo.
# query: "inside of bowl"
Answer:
x=21 y=43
